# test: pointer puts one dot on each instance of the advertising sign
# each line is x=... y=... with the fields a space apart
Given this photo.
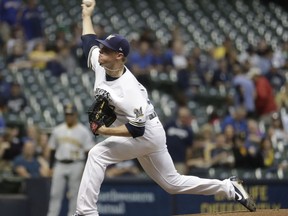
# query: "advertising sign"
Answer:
x=136 y=199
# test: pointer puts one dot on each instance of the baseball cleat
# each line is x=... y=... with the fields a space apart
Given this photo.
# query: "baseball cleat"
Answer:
x=241 y=195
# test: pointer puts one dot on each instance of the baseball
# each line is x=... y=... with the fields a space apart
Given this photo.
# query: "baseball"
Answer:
x=88 y=3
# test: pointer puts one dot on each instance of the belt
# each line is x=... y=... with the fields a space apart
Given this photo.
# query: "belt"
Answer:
x=66 y=161
x=152 y=115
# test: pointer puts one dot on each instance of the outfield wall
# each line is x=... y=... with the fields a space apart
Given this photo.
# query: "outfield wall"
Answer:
x=143 y=197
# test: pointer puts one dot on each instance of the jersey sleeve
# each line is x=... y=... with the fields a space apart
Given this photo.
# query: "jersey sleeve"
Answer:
x=139 y=118
x=137 y=107
x=91 y=50
x=52 y=143
x=134 y=130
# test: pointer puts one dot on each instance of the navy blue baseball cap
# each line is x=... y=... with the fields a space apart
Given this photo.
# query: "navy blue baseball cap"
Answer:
x=117 y=43
x=70 y=109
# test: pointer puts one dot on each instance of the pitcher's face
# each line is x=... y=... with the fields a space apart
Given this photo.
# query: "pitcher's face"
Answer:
x=107 y=56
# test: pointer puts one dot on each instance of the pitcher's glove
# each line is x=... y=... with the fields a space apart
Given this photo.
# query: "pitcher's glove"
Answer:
x=100 y=113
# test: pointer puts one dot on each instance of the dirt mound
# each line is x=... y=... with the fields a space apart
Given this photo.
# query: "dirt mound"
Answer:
x=260 y=212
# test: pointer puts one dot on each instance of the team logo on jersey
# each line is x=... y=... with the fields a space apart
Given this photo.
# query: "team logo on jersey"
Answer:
x=138 y=112
x=109 y=37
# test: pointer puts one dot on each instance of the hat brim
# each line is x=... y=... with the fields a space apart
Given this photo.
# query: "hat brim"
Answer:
x=103 y=42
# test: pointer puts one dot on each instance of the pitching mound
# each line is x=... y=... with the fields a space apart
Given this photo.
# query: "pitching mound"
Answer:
x=260 y=212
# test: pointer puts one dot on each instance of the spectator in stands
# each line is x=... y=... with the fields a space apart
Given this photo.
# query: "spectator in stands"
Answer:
x=283 y=165
x=16 y=100
x=179 y=136
x=42 y=58
x=222 y=76
x=237 y=119
x=27 y=165
x=16 y=37
x=244 y=90
x=18 y=59
x=13 y=139
x=280 y=56
x=40 y=139
x=60 y=40
x=175 y=57
x=265 y=102
x=193 y=77
x=32 y=133
x=254 y=157
x=267 y=151
x=203 y=143
x=212 y=65
x=276 y=131
x=208 y=133
x=222 y=153
x=140 y=62
x=183 y=81
x=222 y=51
x=276 y=78
x=62 y=48
x=4 y=37
x=282 y=97
x=9 y=11
x=254 y=135
x=202 y=65
x=4 y=87
x=5 y=164
x=249 y=157
x=229 y=134
x=124 y=168
x=265 y=54
x=199 y=157
x=240 y=152
x=199 y=59
x=32 y=23
x=66 y=59
x=248 y=58
x=158 y=57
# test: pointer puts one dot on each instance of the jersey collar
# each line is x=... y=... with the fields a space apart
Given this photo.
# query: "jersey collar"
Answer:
x=109 y=78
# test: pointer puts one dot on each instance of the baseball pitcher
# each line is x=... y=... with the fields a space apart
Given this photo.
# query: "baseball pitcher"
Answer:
x=136 y=132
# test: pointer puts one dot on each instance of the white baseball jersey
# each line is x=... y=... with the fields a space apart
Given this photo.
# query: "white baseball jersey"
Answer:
x=126 y=94
x=70 y=143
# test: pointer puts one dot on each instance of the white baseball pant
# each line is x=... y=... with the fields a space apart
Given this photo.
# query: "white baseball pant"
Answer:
x=152 y=153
